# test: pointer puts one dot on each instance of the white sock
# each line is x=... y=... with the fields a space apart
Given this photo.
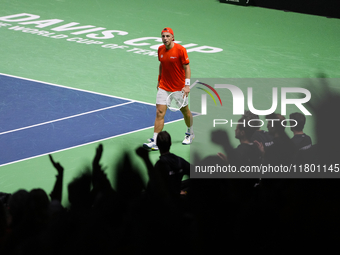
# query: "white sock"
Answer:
x=155 y=137
x=190 y=130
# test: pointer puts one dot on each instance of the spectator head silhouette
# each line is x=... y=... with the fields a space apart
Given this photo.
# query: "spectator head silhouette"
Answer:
x=164 y=141
x=246 y=127
x=17 y=206
x=300 y=119
x=275 y=127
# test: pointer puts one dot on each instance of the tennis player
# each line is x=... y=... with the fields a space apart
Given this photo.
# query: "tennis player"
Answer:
x=174 y=75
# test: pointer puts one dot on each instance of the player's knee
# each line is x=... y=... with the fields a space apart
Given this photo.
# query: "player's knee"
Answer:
x=160 y=113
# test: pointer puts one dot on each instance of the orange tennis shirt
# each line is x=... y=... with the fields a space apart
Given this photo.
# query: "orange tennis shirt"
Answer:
x=172 y=61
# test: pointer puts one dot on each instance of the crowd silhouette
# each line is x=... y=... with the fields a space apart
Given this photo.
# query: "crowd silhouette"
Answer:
x=196 y=216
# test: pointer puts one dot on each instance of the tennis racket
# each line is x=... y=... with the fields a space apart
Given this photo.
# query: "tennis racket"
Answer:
x=176 y=100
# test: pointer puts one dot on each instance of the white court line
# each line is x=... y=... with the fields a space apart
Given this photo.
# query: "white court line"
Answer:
x=65 y=118
x=61 y=86
x=80 y=145
x=82 y=90
x=131 y=101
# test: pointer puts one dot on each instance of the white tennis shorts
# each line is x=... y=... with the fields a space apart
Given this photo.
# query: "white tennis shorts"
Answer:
x=162 y=95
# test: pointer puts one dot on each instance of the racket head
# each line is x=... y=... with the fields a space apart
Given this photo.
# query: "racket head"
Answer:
x=175 y=101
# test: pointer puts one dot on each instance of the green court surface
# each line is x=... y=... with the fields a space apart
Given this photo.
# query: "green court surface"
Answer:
x=119 y=59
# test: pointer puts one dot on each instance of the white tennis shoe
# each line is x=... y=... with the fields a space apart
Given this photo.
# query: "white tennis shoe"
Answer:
x=151 y=145
x=188 y=138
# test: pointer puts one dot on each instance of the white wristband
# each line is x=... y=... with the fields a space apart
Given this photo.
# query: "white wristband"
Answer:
x=187 y=82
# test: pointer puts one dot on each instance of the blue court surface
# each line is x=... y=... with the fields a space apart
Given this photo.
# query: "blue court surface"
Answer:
x=39 y=118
